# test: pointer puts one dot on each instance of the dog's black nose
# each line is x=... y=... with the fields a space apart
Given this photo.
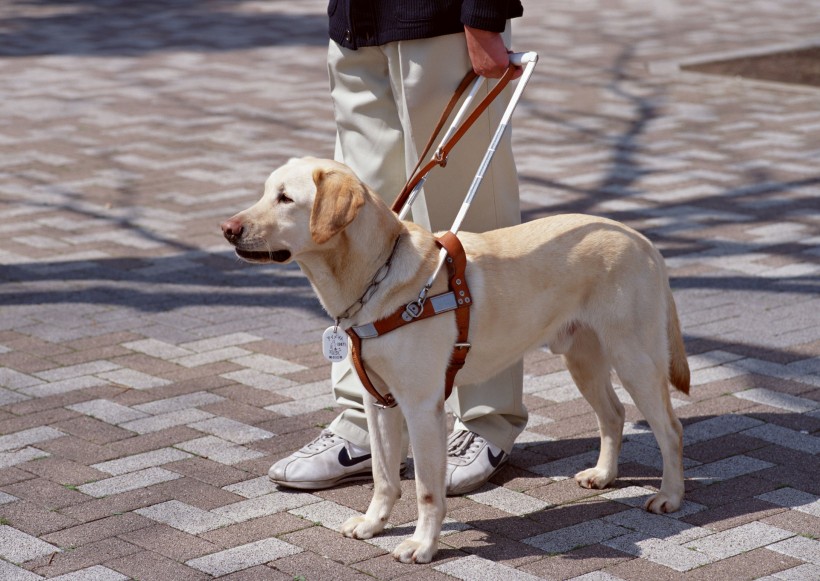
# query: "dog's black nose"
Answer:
x=232 y=230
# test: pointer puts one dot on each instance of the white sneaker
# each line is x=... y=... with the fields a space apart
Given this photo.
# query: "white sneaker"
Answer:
x=471 y=461
x=327 y=461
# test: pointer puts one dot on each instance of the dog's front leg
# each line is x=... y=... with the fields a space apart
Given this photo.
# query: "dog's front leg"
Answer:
x=385 y=427
x=428 y=435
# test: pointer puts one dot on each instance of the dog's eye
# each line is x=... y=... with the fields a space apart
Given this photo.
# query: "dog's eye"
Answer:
x=284 y=198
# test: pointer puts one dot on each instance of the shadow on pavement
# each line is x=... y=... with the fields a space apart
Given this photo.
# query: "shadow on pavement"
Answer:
x=127 y=28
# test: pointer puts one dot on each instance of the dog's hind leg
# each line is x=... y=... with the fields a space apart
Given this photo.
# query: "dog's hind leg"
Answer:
x=644 y=375
x=385 y=426
x=589 y=368
x=428 y=436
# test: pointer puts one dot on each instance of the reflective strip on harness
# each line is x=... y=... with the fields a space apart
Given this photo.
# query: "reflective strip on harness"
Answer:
x=439 y=303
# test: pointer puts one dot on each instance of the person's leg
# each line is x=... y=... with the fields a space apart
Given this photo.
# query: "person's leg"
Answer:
x=490 y=415
x=369 y=140
x=425 y=73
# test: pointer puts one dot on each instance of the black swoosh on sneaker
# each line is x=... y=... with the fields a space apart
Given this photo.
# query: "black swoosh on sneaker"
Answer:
x=346 y=460
x=495 y=460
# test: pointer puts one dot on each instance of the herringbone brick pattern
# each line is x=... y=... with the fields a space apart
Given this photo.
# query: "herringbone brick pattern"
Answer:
x=148 y=379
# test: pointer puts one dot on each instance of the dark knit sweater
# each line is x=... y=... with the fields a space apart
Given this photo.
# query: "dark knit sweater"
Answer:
x=355 y=23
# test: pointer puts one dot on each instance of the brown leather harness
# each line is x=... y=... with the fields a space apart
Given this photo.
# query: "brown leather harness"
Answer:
x=457 y=299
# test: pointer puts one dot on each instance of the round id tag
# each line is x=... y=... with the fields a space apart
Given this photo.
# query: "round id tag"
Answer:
x=334 y=344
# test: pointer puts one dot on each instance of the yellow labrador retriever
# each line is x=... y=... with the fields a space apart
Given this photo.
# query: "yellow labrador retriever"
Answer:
x=592 y=289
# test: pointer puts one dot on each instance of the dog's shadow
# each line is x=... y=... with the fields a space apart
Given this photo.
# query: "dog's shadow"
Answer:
x=610 y=524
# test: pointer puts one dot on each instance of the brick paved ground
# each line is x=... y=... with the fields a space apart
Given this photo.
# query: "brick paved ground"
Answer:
x=149 y=379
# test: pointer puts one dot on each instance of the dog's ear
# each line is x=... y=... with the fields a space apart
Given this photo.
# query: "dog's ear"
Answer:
x=338 y=199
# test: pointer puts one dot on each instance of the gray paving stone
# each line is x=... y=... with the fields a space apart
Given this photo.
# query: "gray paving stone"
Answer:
x=306 y=390
x=15 y=380
x=158 y=349
x=786 y=438
x=268 y=364
x=639 y=453
x=557 y=387
x=179 y=403
x=10 y=572
x=219 y=450
x=19 y=547
x=128 y=481
x=208 y=357
x=133 y=379
x=738 y=540
x=243 y=557
x=259 y=379
x=568 y=538
x=802 y=548
x=253 y=488
x=799 y=573
x=597 y=576
x=139 y=462
x=185 y=517
x=717 y=427
x=507 y=500
x=25 y=438
x=796 y=499
x=326 y=513
x=6 y=498
x=75 y=371
x=659 y=551
x=776 y=399
x=231 y=430
x=108 y=411
x=566 y=467
x=95 y=573
x=220 y=342
x=8 y=459
x=727 y=468
x=8 y=397
x=65 y=386
x=303 y=406
x=164 y=421
x=264 y=505
x=657 y=526
x=474 y=568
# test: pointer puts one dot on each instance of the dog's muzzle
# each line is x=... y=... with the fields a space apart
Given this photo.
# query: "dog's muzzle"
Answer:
x=232 y=230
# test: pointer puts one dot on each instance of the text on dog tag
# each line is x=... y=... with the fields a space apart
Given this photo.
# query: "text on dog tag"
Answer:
x=334 y=344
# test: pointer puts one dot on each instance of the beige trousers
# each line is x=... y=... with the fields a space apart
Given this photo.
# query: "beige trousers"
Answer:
x=387 y=100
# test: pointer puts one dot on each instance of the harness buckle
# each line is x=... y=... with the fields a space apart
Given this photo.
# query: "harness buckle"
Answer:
x=389 y=402
x=413 y=310
x=464 y=345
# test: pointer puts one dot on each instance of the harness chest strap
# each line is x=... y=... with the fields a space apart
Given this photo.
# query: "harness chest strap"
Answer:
x=458 y=299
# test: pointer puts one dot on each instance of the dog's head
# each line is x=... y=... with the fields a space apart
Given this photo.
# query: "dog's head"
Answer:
x=306 y=203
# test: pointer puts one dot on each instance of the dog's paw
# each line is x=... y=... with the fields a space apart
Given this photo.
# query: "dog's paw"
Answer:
x=661 y=503
x=594 y=478
x=412 y=551
x=358 y=527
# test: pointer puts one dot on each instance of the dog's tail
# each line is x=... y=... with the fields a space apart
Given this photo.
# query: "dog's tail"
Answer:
x=678 y=365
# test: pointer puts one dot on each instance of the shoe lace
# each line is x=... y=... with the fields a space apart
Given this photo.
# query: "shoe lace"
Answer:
x=324 y=440
x=463 y=443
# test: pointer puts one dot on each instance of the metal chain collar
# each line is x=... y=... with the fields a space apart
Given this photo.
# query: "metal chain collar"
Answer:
x=371 y=289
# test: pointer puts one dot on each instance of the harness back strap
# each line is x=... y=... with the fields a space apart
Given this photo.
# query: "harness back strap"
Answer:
x=457 y=299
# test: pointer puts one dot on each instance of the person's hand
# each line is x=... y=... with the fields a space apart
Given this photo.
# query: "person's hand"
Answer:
x=488 y=54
